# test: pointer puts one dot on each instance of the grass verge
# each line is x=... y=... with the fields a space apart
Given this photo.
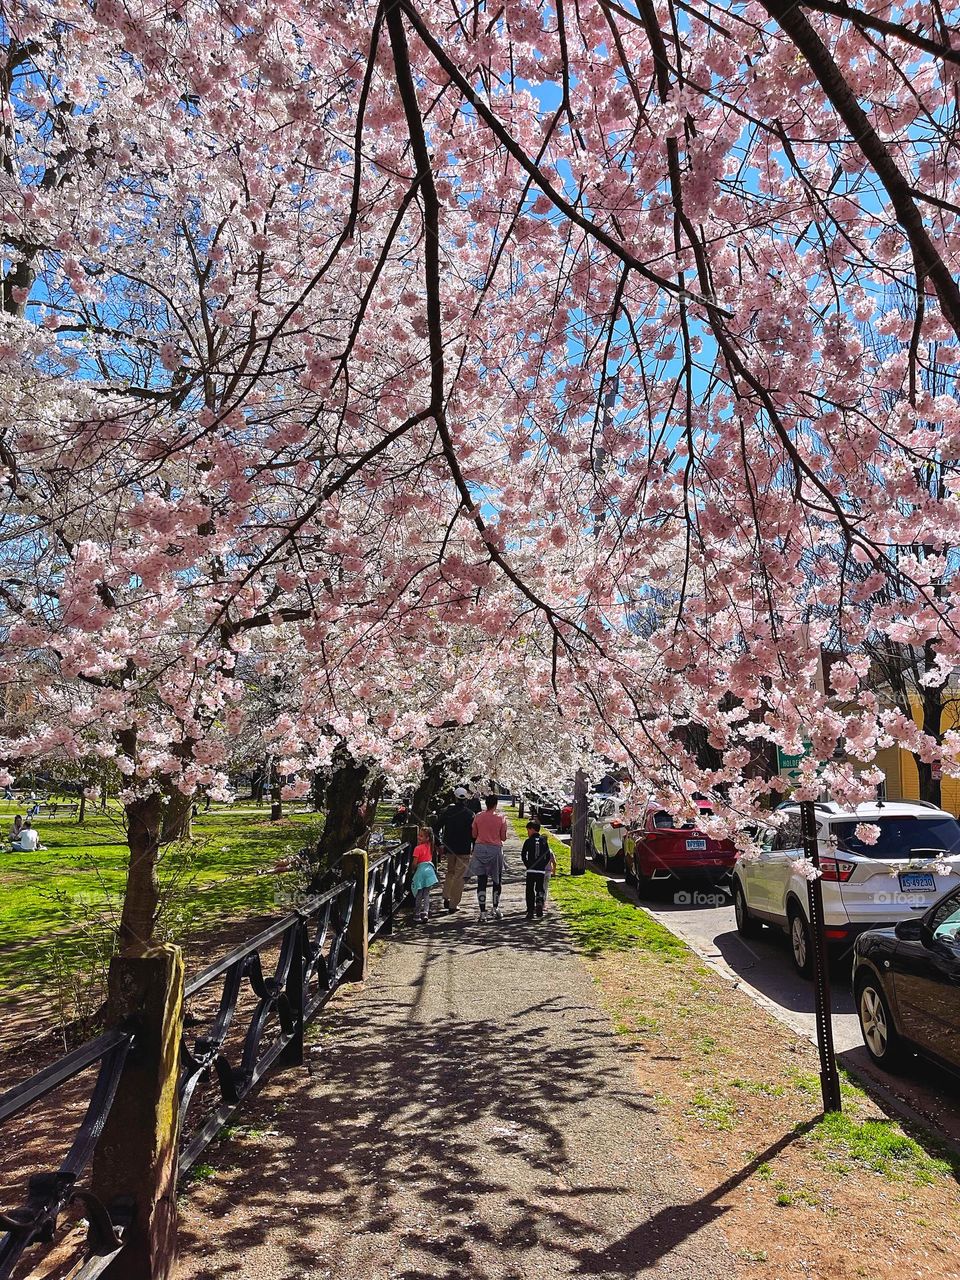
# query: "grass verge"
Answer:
x=799 y=1194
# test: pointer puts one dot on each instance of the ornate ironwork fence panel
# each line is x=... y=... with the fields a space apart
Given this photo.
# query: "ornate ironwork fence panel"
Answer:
x=313 y=957
x=388 y=886
x=49 y=1193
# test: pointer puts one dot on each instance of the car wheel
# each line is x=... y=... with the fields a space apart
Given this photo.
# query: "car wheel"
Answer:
x=748 y=926
x=646 y=886
x=801 y=943
x=628 y=872
x=604 y=859
x=877 y=1027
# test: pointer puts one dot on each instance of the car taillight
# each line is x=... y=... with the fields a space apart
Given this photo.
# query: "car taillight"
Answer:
x=837 y=869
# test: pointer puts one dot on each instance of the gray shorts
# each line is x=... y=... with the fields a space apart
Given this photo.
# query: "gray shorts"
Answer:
x=487 y=860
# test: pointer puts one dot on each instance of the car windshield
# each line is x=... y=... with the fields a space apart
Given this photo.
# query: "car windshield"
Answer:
x=903 y=837
x=666 y=820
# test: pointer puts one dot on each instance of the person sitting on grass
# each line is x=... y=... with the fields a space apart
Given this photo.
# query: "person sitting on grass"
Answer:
x=29 y=839
x=537 y=856
x=16 y=829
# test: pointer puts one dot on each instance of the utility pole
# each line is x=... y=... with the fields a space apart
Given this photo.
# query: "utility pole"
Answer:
x=578 y=826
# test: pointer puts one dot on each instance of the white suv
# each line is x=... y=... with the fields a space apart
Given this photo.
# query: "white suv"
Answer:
x=865 y=886
x=607 y=830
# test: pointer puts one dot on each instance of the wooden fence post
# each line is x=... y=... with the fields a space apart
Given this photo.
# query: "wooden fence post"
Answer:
x=136 y=1156
x=356 y=868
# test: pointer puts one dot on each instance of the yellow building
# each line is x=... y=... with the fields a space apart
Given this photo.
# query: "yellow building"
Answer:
x=900 y=768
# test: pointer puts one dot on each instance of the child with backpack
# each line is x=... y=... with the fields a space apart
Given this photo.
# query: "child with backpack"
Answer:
x=424 y=874
x=537 y=856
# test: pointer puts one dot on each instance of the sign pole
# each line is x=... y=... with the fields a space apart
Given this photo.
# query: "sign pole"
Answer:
x=829 y=1076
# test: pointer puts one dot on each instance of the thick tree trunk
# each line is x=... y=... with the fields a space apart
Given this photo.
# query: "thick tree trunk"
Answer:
x=83 y=804
x=276 y=794
x=177 y=817
x=578 y=829
x=434 y=776
x=348 y=817
x=929 y=784
x=932 y=715
x=142 y=897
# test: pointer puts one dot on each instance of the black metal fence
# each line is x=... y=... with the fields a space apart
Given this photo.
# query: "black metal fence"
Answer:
x=314 y=956
x=388 y=881
x=50 y=1193
x=257 y=1002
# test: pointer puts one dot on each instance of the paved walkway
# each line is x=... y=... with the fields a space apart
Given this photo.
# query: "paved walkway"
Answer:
x=469 y=1115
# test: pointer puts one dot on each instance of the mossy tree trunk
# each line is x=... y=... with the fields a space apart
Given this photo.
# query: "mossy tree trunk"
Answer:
x=141 y=900
x=352 y=793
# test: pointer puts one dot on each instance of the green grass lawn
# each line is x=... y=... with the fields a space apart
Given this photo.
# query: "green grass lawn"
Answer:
x=52 y=901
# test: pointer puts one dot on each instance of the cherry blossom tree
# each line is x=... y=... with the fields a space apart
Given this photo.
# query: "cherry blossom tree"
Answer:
x=360 y=327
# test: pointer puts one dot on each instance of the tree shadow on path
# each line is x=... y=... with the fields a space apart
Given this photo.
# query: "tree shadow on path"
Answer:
x=465 y=1115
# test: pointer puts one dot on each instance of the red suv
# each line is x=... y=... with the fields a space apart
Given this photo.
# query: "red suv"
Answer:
x=657 y=850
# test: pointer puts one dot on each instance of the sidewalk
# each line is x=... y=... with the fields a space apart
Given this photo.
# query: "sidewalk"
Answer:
x=470 y=1114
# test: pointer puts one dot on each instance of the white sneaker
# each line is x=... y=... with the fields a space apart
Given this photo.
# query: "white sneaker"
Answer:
x=498 y=914
x=483 y=917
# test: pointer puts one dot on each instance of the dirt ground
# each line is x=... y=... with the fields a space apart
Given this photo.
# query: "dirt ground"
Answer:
x=837 y=1200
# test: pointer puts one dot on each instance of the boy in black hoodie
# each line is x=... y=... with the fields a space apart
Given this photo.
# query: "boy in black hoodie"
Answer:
x=539 y=862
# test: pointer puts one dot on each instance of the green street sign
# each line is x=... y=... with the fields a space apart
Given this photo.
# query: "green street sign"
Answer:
x=788 y=763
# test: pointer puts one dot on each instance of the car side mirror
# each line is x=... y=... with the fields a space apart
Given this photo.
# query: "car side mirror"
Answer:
x=912 y=931
x=915 y=931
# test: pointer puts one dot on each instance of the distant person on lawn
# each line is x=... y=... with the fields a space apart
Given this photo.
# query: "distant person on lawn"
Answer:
x=29 y=839
x=537 y=856
x=16 y=829
x=489 y=832
x=424 y=875
x=456 y=837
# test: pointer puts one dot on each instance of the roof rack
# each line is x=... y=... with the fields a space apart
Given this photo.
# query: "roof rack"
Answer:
x=924 y=804
x=828 y=806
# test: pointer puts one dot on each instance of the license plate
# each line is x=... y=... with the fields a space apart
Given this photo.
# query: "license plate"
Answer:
x=912 y=881
x=696 y=844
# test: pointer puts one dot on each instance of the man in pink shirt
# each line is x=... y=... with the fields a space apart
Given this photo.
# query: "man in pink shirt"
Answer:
x=489 y=833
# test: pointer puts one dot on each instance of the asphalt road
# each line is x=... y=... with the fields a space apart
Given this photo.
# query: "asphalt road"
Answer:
x=763 y=969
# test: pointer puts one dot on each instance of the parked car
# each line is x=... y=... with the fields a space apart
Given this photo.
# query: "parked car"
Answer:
x=907 y=986
x=606 y=831
x=545 y=809
x=551 y=811
x=660 y=850
x=865 y=886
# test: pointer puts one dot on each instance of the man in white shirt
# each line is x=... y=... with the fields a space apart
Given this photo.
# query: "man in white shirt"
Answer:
x=29 y=840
